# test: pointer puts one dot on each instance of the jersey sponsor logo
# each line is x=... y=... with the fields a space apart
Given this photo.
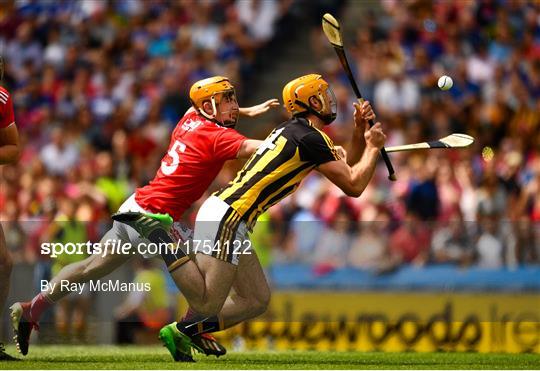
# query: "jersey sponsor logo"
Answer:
x=189 y=124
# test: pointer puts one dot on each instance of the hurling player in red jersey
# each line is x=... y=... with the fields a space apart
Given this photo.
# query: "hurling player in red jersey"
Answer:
x=9 y=153
x=200 y=144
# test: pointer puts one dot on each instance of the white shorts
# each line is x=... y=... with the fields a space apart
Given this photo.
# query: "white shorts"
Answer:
x=120 y=231
x=219 y=232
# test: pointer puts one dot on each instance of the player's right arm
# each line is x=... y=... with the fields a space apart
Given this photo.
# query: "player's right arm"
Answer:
x=248 y=147
x=353 y=180
x=9 y=136
x=258 y=109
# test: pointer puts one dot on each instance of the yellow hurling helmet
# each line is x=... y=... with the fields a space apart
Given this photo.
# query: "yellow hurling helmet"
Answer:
x=297 y=92
x=211 y=89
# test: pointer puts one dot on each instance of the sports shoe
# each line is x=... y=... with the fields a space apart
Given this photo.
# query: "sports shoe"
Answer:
x=4 y=356
x=177 y=343
x=154 y=227
x=22 y=326
x=208 y=345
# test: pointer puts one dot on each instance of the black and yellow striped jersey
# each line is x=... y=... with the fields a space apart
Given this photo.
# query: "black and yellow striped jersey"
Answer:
x=276 y=169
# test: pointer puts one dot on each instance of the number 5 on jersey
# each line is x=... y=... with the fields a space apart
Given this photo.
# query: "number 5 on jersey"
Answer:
x=168 y=169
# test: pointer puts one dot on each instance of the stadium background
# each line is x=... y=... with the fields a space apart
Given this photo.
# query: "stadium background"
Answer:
x=445 y=258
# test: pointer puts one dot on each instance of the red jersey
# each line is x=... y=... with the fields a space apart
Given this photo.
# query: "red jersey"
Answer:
x=197 y=152
x=7 y=117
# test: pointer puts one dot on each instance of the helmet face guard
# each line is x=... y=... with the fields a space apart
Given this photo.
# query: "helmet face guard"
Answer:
x=213 y=90
x=328 y=112
x=234 y=118
x=215 y=100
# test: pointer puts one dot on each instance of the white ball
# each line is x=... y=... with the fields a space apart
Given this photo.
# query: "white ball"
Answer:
x=445 y=82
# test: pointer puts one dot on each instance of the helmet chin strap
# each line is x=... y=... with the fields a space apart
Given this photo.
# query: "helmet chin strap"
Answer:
x=227 y=124
x=208 y=116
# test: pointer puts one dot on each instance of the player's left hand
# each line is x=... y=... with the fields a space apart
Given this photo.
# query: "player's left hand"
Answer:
x=259 y=109
x=362 y=114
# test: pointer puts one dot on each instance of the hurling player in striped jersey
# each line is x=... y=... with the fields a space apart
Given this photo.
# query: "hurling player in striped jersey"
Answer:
x=223 y=281
x=202 y=141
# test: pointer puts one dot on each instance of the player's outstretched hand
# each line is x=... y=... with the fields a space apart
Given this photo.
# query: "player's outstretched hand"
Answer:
x=259 y=109
x=375 y=136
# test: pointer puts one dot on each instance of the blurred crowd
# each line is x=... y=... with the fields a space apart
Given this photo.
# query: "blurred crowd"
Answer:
x=99 y=85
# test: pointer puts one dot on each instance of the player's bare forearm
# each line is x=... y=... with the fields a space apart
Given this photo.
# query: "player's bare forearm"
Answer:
x=248 y=148
x=363 y=171
x=352 y=180
x=9 y=154
x=258 y=109
x=362 y=114
x=245 y=111
x=356 y=147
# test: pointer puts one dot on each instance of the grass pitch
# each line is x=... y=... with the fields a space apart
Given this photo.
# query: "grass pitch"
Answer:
x=154 y=357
